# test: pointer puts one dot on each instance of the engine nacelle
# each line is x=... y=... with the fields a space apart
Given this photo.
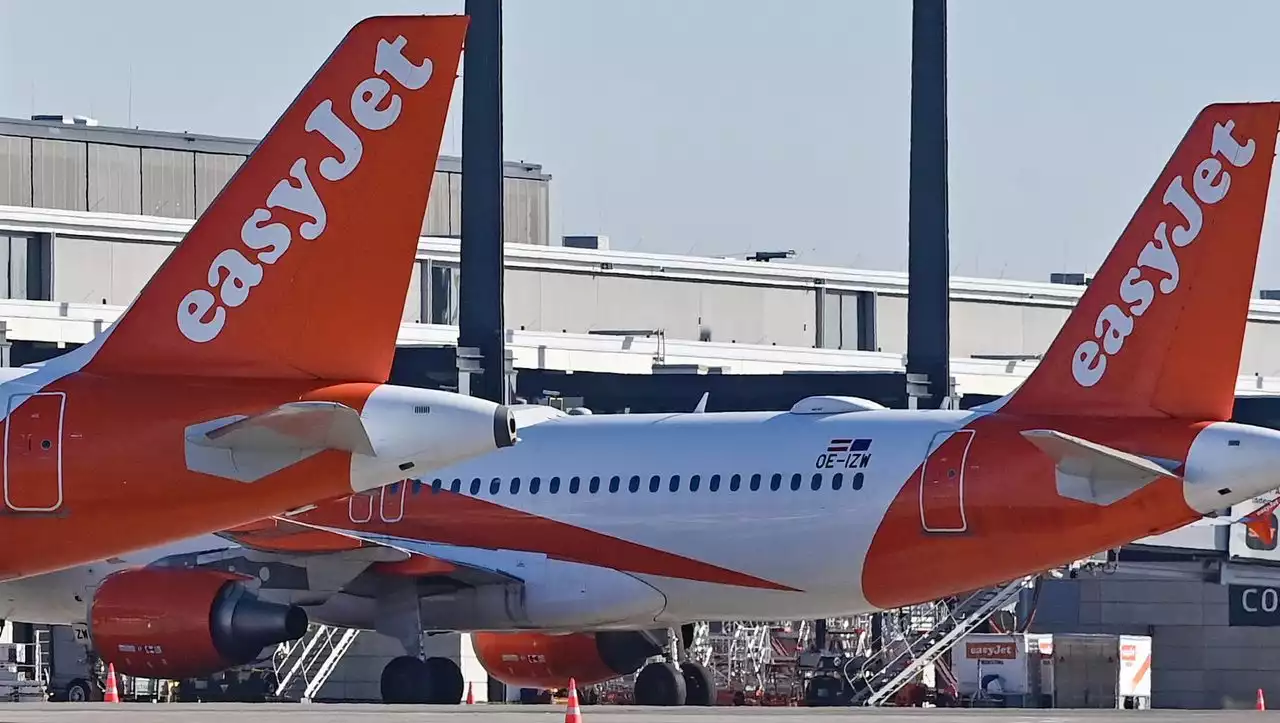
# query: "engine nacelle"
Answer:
x=551 y=595
x=174 y=623
x=540 y=660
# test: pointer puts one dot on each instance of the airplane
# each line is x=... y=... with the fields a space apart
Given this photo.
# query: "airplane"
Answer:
x=573 y=553
x=1260 y=523
x=248 y=377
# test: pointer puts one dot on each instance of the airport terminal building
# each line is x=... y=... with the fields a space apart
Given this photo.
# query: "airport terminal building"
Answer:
x=87 y=214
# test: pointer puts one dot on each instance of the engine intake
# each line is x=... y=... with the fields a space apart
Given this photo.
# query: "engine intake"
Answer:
x=180 y=623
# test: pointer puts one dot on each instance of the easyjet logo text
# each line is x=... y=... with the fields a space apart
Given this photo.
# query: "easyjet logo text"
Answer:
x=375 y=106
x=1158 y=260
x=991 y=651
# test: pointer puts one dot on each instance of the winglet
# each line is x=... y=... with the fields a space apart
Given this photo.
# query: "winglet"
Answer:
x=301 y=266
x=1160 y=329
x=702 y=404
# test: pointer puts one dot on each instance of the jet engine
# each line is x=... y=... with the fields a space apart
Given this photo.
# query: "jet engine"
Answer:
x=541 y=660
x=176 y=623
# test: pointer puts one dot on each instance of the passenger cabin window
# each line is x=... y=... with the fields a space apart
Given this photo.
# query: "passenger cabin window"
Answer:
x=635 y=482
x=435 y=485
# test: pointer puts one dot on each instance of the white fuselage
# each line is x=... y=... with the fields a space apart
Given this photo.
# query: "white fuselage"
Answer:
x=766 y=508
x=813 y=540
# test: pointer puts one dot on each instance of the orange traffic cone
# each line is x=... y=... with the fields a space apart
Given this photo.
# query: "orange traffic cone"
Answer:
x=1262 y=703
x=111 y=695
x=572 y=714
x=471 y=696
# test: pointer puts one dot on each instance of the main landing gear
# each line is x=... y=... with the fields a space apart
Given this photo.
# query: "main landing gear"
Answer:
x=409 y=678
x=663 y=684
x=434 y=681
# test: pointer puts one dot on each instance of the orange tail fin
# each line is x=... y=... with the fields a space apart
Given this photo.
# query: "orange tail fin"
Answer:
x=1159 y=331
x=300 y=267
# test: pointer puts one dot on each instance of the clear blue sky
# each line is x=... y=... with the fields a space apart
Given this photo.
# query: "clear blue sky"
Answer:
x=723 y=126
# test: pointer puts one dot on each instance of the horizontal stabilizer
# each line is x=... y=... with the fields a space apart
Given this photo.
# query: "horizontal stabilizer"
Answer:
x=1095 y=473
x=292 y=426
x=527 y=415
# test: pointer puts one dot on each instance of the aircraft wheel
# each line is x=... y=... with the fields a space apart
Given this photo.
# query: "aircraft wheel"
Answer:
x=447 y=686
x=660 y=684
x=823 y=691
x=406 y=680
x=700 y=685
x=82 y=691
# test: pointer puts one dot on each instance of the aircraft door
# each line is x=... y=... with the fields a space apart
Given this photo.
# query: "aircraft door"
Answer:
x=360 y=507
x=391 y=501
x=33 y=452
x=387 y=501
x=942 y=482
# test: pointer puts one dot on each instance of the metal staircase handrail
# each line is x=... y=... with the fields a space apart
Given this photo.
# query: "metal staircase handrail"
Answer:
x=330 y=663
x=950 y=638
x=975 y=601
x=313 y=638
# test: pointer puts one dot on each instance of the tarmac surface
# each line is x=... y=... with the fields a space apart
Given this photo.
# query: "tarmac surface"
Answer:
x=325 y=713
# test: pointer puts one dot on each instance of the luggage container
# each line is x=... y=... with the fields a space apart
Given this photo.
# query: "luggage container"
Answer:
x=1101 y=671
x=1000 y=669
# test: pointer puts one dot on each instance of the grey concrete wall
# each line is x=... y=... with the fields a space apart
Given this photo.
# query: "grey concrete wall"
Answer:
x=1197 y=660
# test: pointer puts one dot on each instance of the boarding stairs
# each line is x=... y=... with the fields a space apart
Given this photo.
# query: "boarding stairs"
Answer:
x=737 y=653
x=304 y=665
x=930 y=633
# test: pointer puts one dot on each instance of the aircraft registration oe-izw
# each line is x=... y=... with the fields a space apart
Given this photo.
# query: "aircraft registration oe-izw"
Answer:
x=247 y=379
x=573 y=552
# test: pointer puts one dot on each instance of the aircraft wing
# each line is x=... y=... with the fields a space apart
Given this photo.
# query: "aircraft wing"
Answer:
x=1096 y=473
x=280 y=535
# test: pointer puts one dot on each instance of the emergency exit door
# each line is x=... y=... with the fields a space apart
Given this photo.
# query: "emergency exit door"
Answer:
x=942 y=482
x=387 y=501
x=33 y=452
